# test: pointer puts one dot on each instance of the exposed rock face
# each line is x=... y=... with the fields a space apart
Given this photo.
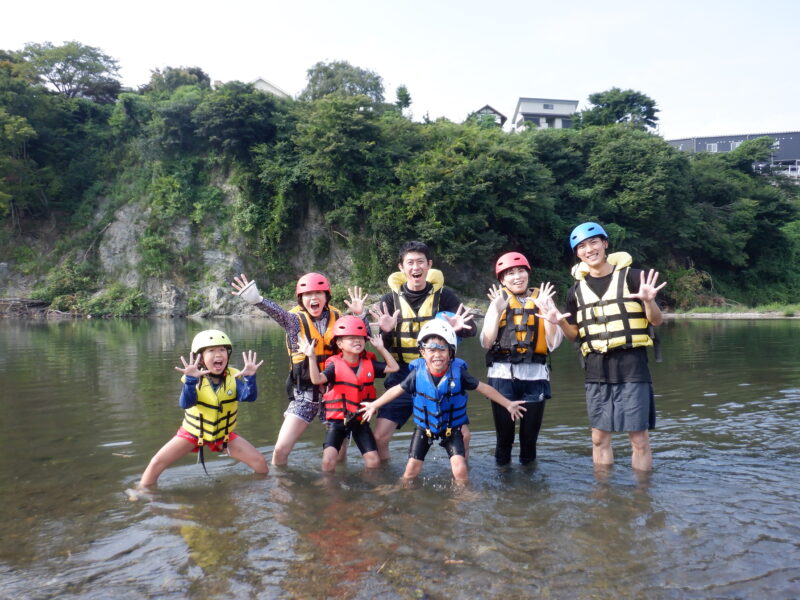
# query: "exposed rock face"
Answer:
x=118 y=249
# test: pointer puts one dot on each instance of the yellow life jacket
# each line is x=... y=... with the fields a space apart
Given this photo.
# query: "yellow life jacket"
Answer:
x=323 y=343
x=404 y=337
x=522 y=340
x=615 y=320
x=214 y=416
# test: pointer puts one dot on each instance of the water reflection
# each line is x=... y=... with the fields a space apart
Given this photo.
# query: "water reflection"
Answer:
x=87 y=403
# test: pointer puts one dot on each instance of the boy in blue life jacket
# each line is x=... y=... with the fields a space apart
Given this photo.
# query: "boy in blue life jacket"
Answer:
x=438 y=383
x=350 y=377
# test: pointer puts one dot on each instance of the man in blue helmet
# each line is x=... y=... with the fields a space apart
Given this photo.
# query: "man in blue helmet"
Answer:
x=611 y=310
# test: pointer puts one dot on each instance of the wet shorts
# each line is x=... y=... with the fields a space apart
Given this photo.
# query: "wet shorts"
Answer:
x=303 y=406
x=621 y=406
x=338 y=432
x=421 y=443
x=215 y=446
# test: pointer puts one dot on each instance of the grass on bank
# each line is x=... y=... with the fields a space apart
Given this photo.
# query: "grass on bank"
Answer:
x=787 y=310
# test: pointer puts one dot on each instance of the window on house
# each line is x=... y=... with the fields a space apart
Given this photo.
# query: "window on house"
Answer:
x=551 y=121
x=566 y=123
x=548 y=106
x=534 y=120
x=735 y=145
x=711 y=147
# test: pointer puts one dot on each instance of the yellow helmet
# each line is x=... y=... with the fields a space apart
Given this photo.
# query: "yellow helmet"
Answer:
x=211 y=337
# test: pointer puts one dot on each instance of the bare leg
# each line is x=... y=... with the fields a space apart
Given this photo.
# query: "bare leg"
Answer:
x=372 y=459
x=329 y=458
x=602 y=453
x=467 y=437
x=291 y=430
x=242 y=450
x=459 y=466
x=642 y=458
x=170 y=452
x=343 y=452
x=413 y=468
x=383 y=432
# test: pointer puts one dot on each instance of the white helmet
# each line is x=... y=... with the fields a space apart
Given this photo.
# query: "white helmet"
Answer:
x=439 y=328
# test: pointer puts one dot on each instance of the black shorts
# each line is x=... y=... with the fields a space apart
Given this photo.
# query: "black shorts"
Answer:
x=421 y=443
x=338 y=432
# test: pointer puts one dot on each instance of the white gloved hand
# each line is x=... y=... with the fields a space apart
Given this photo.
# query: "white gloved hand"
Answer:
x=249 y=293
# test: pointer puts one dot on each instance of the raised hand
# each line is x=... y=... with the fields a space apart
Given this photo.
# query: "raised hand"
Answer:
x=357 y=301
x=305 y=347
x=647 y=286
x=246 y=290
x=385 y=321
x=459 y=320
x=250 y=365
x=547 y=307
x=498 y=298
x=377 y=341
x=192 y=368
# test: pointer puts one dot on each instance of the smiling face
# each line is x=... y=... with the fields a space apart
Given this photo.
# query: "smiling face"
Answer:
x=314 y=302
x=215 y=359
x=436 y=359
x=415 y=267
x=350 y=345
x=592 y=251
x=515 y=279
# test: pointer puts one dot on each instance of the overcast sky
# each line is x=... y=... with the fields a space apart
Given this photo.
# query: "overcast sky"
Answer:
x=713 y=67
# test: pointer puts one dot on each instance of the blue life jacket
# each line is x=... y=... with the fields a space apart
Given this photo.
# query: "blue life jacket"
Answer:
x=439 y=408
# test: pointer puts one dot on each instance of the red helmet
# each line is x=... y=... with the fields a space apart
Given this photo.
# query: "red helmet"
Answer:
x=313 y=282
x=350 y=325
x=509 y=260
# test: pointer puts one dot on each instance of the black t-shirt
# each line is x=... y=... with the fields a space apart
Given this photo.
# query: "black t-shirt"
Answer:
x=468 y=382
x=625 y=365
x=448 y=301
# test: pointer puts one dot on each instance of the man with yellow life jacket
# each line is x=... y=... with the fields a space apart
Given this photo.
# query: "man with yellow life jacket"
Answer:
x=210 y=396
x=610 y=310
x=350 y=377
x=313 y=319
x=438 y=382
x=417 y=294
x=518 y=342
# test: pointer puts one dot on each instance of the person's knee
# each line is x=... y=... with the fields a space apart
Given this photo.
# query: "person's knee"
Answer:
x=372 y=460
x=260 y=465
x=459 y=466
x=601 y=439
x=280 y=455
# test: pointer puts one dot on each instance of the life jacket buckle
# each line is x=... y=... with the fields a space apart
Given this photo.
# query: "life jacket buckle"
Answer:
x=448 y=432
x=428 y=432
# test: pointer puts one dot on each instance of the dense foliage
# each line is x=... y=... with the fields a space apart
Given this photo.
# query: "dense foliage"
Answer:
x=258 y=168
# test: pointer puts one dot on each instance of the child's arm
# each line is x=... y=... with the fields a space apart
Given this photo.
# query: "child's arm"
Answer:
x=307 y=348
x=514 y=407
x=391 y=363
x=191 y=375
x=246 y=388
x=371 y=408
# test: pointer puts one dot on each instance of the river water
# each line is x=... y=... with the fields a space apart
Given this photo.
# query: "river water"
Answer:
x=85 y=404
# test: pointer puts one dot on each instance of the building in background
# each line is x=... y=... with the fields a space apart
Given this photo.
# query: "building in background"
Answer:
x=262 y=85
x=546 y=113
x=487 y=110
x=785 y=150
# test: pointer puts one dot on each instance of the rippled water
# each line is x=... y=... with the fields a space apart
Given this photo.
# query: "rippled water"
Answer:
x=86 y=404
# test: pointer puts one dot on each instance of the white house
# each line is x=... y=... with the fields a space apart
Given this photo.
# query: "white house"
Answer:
x=546 y=113
x=268 y=87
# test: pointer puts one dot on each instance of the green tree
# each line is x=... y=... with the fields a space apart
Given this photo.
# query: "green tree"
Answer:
x=340 y=77
x=76 y=70
x=171 y=78
x=403 y=100
x=628 y=107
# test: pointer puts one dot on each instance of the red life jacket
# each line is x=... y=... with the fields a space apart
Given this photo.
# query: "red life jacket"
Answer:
x=349 y=389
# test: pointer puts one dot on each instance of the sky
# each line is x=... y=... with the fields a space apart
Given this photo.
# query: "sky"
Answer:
x=713 y=67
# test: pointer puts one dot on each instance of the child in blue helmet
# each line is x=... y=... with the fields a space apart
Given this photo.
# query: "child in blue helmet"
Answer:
x=438 y=382
x=610 y=311
x=212 y=390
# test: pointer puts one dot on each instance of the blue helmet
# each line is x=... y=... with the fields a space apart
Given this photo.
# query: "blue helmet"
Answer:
x=584 y=231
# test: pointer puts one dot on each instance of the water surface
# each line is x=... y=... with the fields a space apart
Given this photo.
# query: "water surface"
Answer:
x=86 y=404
